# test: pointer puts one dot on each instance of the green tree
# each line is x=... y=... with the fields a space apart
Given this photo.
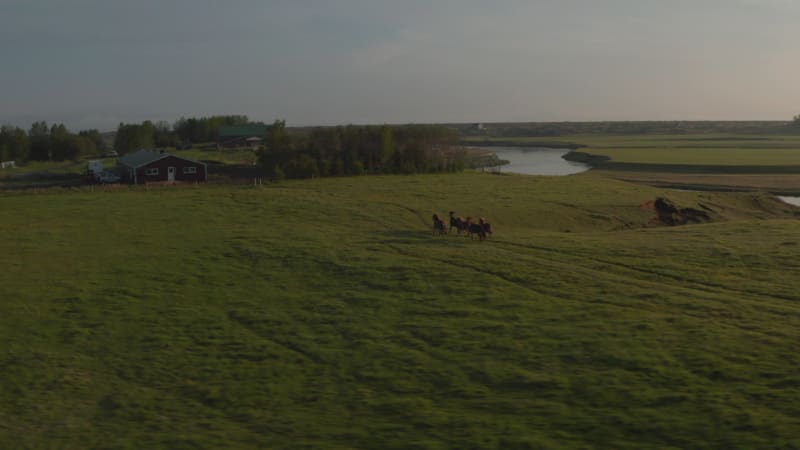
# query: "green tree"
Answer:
x=14 y=144
x=205 y=129
x=277 y=173
x=6 y=139
x=39 y=142
x=58 y=143
x=68 y=146
x=39 y=129
x=278 y=150
x=132 y=137
x=58 y=130
x=387 y=148
x=357 y=150
x=96 y=138
x=164 y=136
x=21 y=145
x=356 y=167
x=796 y=121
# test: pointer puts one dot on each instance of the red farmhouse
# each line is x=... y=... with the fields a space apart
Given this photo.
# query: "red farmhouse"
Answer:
x=147 y=166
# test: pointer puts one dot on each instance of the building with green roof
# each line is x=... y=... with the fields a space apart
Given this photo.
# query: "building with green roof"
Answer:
x=241 y=136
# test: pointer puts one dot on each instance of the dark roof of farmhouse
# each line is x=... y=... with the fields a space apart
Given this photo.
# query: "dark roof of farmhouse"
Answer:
x=144 y=157
x=243 y=131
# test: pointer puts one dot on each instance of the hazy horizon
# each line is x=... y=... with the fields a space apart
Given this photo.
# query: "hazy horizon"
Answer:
x=93 y=64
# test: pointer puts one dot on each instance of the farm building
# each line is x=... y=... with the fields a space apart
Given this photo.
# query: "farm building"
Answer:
x=243 y=136
x=149 y=166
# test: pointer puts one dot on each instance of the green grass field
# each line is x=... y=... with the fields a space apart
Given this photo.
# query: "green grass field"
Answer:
x=325 y=314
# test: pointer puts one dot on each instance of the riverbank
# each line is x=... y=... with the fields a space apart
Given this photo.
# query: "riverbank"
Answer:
x=607 y=163
x=519 y=142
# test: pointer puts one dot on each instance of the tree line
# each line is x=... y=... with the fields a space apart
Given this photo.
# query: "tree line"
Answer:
x=183 y=133
x=358 y=150
x=329 y=151
x=43 y=143
x=56 y=143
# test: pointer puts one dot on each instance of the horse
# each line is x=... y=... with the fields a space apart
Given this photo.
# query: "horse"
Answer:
x=457 y=222
x=438 y=225
x=475 y=228
x=482 y=228
x=487 y=227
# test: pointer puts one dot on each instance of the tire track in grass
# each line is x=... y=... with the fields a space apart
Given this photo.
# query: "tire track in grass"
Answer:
x=718 y=293
x=413 y=211
x=632 y=304
x=291 y=348
x=554 y=266
x=688 y=301
x=712 y=300
x=696 y=284
x=550 y=295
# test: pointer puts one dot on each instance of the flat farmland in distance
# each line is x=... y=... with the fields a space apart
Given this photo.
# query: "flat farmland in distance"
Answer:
x=696 y=149
x=701 y=161
x=707 y=156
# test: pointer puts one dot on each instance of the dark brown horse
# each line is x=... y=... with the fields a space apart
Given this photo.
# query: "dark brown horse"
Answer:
x=487 y=227
x=458 y=223
x=475 y=229
x=482 y=229
x=438 y=225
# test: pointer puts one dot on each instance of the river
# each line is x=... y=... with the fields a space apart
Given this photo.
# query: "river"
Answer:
x=536 y=161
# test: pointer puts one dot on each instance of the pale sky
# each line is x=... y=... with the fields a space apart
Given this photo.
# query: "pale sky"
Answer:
x=94 y=63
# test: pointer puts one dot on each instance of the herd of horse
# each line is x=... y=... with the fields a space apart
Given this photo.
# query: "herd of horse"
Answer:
x=481 y=228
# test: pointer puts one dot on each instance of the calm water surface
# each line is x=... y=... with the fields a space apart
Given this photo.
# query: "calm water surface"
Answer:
x=791 y=200
x=536 y=161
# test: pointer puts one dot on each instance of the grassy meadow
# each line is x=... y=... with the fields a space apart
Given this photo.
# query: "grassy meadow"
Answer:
x=325 y=314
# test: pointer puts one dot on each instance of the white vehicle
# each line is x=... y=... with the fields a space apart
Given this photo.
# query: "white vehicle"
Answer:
x=107 y=176
x=96 y=172
x=95 y=167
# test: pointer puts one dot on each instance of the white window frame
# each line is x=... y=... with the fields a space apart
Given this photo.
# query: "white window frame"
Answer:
x=152 y=171
x=191 y=169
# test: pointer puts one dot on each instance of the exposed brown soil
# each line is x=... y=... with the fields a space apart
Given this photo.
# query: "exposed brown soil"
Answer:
x=667 y=213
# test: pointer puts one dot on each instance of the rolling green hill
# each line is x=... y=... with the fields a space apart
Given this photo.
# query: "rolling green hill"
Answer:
x=325 y=314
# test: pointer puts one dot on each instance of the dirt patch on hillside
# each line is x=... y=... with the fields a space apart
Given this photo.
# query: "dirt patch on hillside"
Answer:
x=669 y=214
